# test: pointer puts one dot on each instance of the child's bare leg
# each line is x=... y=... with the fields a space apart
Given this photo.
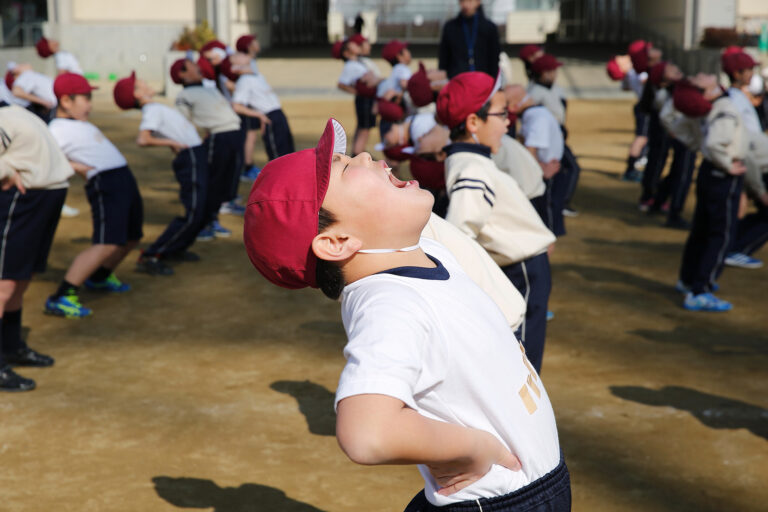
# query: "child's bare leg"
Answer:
x=636 y=149
x=361 y=139
x=14 y=302
x=114 y=260
x=88 y=261
x=250 y=142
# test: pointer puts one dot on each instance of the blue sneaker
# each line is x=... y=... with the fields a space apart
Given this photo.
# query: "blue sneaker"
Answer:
x=705 y=302
x=67 y=306
x=110 y=284
x=220 y=231
x=741 y=260
x=550 y=315
x=206 y=234
x=251 y=174
x=232 y=208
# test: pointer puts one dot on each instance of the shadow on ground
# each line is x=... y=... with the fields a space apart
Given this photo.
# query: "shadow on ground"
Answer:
x=199 y=493
x=714 y=338
x=712 y=410
x=315 y=403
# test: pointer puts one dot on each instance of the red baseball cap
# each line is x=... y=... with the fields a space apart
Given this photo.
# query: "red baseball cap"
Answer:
x=392 y=49
x=123 y=92
x=465 y=94
x=176 y=68
x=528 y=51
x=546 y=62
x=336 y=49
x=206 y=68
x=656 y=74
x=638 y=52
x=689 y=100
x=428 y=173
x=390 y=111
x=71 y=83
x=357 y=38
x=282 y=212
x=243 y=42
x=225 y=68
x=397 y=153
x=733 y=62
x=732 y=49
x=43 y=48
x=420 y=88
x=613 y=69
x=9 y=79
x=210 y=45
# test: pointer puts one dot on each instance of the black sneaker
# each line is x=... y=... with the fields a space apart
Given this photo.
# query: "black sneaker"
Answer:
x=678 y=223
x=28 y=357
x=13 y=382
x=153 y=266
x=182 y=257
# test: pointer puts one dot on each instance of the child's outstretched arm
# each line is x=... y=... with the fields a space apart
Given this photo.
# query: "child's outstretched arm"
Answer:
x=146 y=138
x=378 y=429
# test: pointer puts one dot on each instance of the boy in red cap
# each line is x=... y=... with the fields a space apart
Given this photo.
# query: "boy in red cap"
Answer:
x=487 y=204
x=65 y=61
x=417 y=387
x=357 y=79
x=634 y=80
x=718 y=189
x=34 y=178
x=167 y=127
x=249 y=45
x=390 y=90
x=116 y=204
x=34 y=87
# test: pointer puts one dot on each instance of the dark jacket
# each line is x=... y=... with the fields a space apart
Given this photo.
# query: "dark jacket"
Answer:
x=454 y=57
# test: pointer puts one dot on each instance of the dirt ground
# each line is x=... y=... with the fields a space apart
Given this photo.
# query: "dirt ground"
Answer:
x=213 y=389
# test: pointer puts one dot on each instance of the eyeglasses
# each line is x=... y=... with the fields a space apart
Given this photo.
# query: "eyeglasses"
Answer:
x=500 y=115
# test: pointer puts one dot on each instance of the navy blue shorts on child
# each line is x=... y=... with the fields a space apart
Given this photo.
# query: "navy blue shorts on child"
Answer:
x=225 y=163
x=249 y=123
x=116 y=207
x=641 y=121
x=366 y=119
x=278 y=139
x=28 y=223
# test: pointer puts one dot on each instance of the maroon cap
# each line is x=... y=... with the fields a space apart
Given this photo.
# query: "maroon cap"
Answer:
x=397 y=153
x=734 y=62
x=336 y=49
x=177 y=68
x=638 y=52
x=43 y=48
x=689 y=100
x=656 y=74
x=243 y=42
x=546 y=62
x=124 y=92
x=528 y=51
x=614 y=70
x=465 y=94
x=428 y=173
x=9 y=79
x=206 y=68
x=420 y=88
x=392 y=49
x=357 y=38
x=390 y=111
x=225 y=68
x=71 y=83
x=364 y=89
x=637 y=46
x=210 y=45
x=282 y=212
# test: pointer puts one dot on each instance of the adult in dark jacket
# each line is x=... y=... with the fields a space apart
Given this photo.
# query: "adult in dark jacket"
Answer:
x=470 y=42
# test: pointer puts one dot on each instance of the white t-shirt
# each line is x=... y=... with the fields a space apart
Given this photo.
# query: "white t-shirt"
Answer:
x=635 y=82
x=746 y=109
x=7 y=96
x=434 y=340
x=38 y=84
x=393 y=82
x=84 y=143
x=541 y=130
x=352 y=71
x=65 y=61
x=254 y=92
x=168 y=123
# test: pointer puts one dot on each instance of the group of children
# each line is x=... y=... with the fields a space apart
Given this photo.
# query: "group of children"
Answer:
x=697 y=115
x=37 y=160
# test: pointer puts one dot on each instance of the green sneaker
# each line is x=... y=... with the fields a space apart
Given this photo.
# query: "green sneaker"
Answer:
x=110 y=284
x=67 y=306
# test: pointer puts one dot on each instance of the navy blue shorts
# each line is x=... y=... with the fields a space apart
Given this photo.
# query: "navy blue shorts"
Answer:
x=27 y=225
x=249 y=123
x=550 y=493
x=116 y=207
x=366 y=119
x=642 y=121
x=278 y=139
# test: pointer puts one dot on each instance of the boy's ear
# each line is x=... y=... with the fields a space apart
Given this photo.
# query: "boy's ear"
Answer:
x=333 y=246
x=472 y=123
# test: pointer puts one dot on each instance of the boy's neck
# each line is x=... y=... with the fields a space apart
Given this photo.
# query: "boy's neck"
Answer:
x=364 y=265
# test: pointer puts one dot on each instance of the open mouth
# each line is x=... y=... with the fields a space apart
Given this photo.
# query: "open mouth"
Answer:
x=399 y=183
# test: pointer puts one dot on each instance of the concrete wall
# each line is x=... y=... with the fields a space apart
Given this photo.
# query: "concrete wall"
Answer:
x=134 y=11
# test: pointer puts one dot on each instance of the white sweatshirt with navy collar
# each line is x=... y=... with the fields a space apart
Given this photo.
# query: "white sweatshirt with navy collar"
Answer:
x=489 y=206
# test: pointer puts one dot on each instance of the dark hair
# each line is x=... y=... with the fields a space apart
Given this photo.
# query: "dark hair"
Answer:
x=328 y=274
x=344 y=48
x=460 y=131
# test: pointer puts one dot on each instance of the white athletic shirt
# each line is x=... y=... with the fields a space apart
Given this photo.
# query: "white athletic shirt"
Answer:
x=168 y=123
x=540 y=130
x=434 y=340
x=84 y=143
x=254 y=92
x=514 y=159
x=7 y=96
x=746 y=109
x=635 y=82
x=65 y=61
x=352 y=71
x=38 y=84
x=399 y=72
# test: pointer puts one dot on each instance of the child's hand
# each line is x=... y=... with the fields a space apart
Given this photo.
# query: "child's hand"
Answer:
x=264 y=122
x=81 y=169
x=14 y=180
x=178 y=146
x=550 y=168
x=737 y=168
x=456 y=475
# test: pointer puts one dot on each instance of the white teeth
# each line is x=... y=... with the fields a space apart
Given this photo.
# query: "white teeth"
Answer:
x=388 y=169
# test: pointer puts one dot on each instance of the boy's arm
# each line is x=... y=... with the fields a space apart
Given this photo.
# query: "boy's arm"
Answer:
x=346 y=88
x=80 y=169
x=146 y=138
x=379 y=429
x=21 y=93
x=239 y=108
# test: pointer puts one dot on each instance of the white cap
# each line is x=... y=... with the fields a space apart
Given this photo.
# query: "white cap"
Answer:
x=756 y=85
x=421 y=124
x=11 y=65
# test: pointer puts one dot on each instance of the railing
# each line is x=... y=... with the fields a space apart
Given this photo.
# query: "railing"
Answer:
x=24 y=33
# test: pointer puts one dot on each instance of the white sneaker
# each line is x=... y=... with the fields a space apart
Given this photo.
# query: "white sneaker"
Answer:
x=69 y=211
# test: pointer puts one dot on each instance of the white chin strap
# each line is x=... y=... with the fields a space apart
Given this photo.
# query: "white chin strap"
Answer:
x=385 y=251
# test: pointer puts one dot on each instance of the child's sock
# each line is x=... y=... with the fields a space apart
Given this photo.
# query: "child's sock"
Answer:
x=65 y=288
x=10 y=331
x=101 y=274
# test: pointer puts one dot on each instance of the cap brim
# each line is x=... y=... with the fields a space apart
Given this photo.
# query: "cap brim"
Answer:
x=496 y=87
x=333 y=140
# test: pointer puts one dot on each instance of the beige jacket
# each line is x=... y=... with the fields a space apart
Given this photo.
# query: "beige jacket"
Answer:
x=725 y=138
x=548 y=98
x=514 y=159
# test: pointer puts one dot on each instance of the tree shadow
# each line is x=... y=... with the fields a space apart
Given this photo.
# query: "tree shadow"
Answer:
x=643 y=245
x=714 y=339
x=315 y=403
x=714 y=411
x=595 y=274
x=187 y=492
